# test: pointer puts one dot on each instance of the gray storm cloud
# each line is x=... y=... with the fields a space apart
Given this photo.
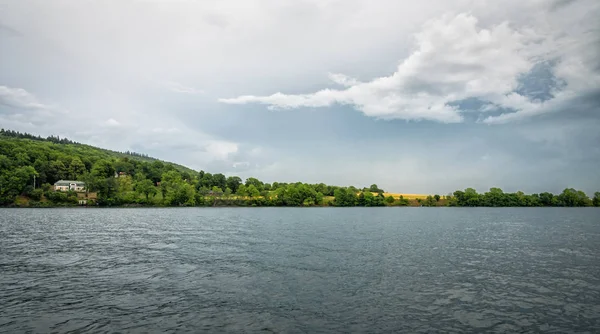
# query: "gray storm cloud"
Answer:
x=317 y=90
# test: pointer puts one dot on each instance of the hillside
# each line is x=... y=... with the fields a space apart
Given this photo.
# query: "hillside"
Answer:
x=31 y=165
x=72 y=148
x=28 y=162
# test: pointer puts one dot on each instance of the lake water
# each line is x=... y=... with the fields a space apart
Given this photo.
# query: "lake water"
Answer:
x=368 y=270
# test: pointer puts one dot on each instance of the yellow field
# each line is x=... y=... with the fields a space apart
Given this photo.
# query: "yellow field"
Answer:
x=407 y=196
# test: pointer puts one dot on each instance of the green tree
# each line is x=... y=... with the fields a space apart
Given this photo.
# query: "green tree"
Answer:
x=220 y=181
x=88 y=179
x=76 y=168
x=203 y=191
x=389 y=199
x=185 y=195
x=145 y=187
x=13 y=183
x=572 y=197
x=125 y=184
x=107 y=189
x=103 y=169
x=22 y=159
x=56 y=171
x=255 y=182
x=242 y=191
x=596 y=200
x=103 y=180
x=296 y=195
x=469 y=197
x=154 y=171
x=36 y=194
x=379 y=200
x=548 y=199
x=205 y=180
x=169 y=184
x=5 y=163
x=369 y=199
x=403 y=201
x=343 y=197
x=437 y=197
x=374 y=188
x=361 y=201
x=253 y=191
x=41 y=166
x=319 y=198
x=176 y=191
x=233 y=183
x=495 y=198
x=124 y=165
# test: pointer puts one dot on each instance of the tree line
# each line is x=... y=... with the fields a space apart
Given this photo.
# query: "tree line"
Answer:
x=495 y=197
x=30 y=166
x=58 y=140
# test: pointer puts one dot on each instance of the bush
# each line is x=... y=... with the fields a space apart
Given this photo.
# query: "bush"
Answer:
x=308 y=202
x=36 y=194
x=72 y=199
x=56 y=196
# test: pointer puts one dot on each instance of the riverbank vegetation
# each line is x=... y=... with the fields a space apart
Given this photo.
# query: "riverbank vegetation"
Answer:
x=30 y=165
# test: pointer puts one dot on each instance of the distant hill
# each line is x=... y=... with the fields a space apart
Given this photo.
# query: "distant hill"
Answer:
x=10 y=138
x=30 y=166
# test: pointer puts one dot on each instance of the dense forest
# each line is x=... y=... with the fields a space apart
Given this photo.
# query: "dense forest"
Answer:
x=30 y=165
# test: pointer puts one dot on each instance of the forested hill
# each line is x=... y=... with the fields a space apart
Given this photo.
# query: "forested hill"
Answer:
x=85 y=152
x=30 y=165
x=23 y=156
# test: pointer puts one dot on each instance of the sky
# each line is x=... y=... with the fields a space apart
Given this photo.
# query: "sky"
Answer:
x=423 y=96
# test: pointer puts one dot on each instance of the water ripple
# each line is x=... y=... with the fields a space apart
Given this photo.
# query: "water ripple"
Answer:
x=277 y=270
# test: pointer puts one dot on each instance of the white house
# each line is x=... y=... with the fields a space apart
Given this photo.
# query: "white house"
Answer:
x=66 y=185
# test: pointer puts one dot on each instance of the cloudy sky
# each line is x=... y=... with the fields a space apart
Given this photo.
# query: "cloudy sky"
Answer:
x=421 y=96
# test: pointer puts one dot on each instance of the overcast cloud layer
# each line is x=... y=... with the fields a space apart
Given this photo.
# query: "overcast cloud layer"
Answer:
x=421 y=97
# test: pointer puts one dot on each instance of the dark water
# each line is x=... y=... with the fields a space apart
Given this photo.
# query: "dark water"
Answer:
x=289 y=270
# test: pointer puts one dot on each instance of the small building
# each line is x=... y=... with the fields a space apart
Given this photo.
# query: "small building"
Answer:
x=120 y=174
x=84 y=197
x=66 y=185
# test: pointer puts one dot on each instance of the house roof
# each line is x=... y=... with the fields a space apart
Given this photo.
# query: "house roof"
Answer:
x=69 y=182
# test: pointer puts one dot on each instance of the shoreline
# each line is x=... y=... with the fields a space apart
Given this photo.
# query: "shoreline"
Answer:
x=82 y=207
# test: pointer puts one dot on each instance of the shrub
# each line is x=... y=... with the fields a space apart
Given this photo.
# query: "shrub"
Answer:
x=36 y=194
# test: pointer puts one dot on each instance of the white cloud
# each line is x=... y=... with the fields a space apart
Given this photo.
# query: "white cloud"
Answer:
x=112 y=122
x=242 y=164
x=221 y=150
x=179 y=88
x=234 y=47
x=24 y=110
x=21 y=99
x=573 y=43
x=454 y=59
x=343 y=80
